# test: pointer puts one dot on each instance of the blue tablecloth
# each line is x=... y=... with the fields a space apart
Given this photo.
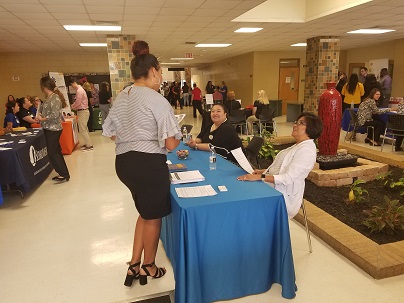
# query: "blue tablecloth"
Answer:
x=26 y=164
x=231 y=245
x=346 y=118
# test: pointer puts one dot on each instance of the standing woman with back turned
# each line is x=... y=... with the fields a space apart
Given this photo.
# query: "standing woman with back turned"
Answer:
x=353 y=91
x=144 y=127
x=50 y=117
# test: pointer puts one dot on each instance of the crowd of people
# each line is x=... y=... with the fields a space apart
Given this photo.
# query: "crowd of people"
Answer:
x=371 y=97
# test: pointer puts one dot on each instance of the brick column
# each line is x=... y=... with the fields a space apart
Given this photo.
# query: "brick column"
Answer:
x=119 y=56
x=322 y=64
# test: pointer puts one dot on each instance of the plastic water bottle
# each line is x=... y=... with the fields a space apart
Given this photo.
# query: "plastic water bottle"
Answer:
x=212 y=159
x=185 y=135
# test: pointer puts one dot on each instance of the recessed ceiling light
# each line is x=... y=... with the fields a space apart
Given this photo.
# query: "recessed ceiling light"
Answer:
x=103 y=28
x=213 y=45
x=169 y=63
x=300 y=44
x=93 y=44
x=182 y=59
x=248 y=30
x=371 y=31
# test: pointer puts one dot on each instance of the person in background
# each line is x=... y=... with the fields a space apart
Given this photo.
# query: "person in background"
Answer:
x=10 y=98
x=217 y=95
x=371 y=83
x=50 y=117
x=259 y=104
x=81 y=106
x=210 y=88
x=94 y=93
x=176 y=95
x=10 y=120
x=231 y=102
x=291 y=166
x=223 y=90
x=385 y=82
x=399 y=139
x=367 y=109
x=144 y=128
x=185 y=94
x=342 y=79
x=105 y=98
x=353 y=90
x=166 y=90
x=363 y=74
x=87 y=88
x=35 y=104
x=25 y=116
x=219 y=133
x=197 y=100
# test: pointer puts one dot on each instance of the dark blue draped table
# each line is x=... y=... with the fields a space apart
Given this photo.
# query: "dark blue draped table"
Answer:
x=231 y=245
x=346 y=119
x=26 y=164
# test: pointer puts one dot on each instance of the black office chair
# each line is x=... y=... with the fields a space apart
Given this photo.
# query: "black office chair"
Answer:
x=266 y=119
x=394 y=128
x=354 y=123
x=237 y=118
x=253 y=149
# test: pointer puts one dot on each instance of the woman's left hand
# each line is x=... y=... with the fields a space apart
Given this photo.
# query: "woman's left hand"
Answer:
x=192 y=143
x=249 y=177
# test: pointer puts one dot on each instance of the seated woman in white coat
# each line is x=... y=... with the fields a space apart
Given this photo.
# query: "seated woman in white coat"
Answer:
x=291 y=166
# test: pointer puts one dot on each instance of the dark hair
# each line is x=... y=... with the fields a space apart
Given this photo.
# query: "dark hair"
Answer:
x=370 y=78
x=372 y=93
x=194 y=85
x=143 y=60
x=218 y=87
x=314 y=125
x=9 y=106
x=352 y=83
x=103 y=86
x=384 y=72
x=21 y=101
x=222 y=106
x=74 y=80
x=8 y=97
x=48 y=83
x=364 y=68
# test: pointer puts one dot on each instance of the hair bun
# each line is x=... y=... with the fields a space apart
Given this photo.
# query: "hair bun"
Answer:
x=140 y=47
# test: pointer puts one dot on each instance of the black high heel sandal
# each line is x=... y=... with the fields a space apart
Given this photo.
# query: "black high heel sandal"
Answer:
x=135 y=274
x=159 y=273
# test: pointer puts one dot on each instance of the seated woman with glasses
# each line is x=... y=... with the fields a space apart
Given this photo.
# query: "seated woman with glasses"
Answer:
x=291 y=166
x=366 y=110
x=220 y=134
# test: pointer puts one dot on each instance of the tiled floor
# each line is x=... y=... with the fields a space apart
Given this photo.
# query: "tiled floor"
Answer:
x=69 y=243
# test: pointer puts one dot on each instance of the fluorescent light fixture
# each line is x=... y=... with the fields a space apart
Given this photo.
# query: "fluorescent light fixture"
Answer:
x=300 y=44
x=169 y=63
x=213 y=45
x=102 y=28
x=93 y=44
x=373 y=31
x=248 y=30
x=182 y=59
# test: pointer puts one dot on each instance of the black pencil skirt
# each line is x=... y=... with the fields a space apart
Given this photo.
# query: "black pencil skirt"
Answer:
x=146 y=175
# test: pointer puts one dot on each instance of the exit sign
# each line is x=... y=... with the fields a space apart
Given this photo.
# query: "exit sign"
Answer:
x=189 y=55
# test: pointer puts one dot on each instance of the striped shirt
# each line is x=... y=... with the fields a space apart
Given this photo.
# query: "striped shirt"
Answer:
x=141 y=119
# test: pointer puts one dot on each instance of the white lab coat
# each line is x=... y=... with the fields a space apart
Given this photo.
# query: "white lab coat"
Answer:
x=297 y=163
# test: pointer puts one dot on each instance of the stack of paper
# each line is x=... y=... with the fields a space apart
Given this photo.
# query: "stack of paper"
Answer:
x=186 y=177
x=196 y=191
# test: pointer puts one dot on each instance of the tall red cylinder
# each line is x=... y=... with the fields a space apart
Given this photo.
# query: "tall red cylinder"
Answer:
x=330 y=111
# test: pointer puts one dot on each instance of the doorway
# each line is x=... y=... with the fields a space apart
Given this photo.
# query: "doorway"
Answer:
x=289 y=71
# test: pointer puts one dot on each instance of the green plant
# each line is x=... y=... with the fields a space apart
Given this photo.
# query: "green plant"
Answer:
x=267 y=150
x=356 y=193
x=390 y=182
x=385 y=219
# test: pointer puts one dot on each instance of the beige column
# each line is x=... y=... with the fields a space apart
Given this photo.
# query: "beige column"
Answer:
x=119 y=56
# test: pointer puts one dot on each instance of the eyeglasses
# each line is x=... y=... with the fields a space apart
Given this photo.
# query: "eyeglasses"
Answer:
x=299 y=122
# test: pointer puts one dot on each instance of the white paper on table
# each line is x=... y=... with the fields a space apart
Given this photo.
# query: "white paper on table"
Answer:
x=27 y=133
x=186 y=177
x=209 y=98
x=195 y=191
x=242 y=160
x=5 y=148
x=6 y=142
x=169 y=162
x=13 y=135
